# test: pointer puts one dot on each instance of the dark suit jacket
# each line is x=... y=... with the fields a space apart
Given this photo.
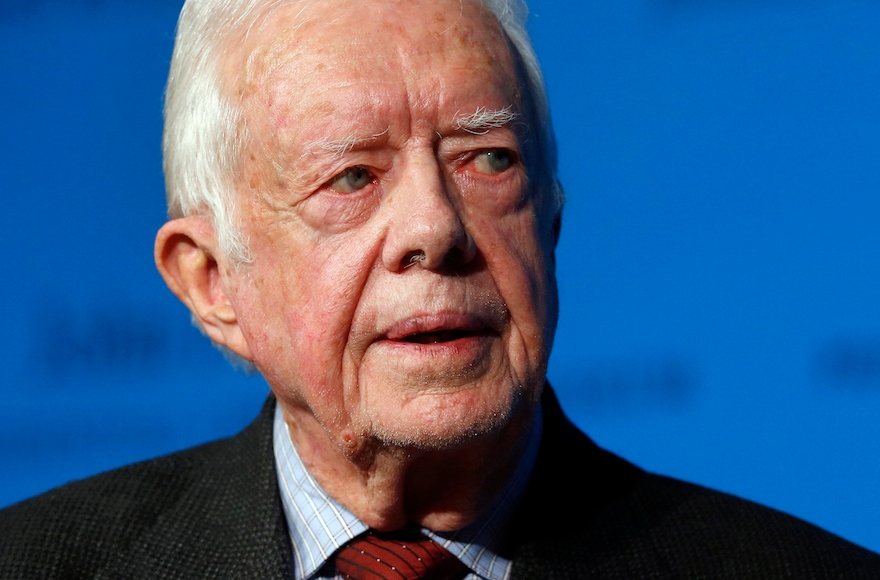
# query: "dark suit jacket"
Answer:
x=214 y=512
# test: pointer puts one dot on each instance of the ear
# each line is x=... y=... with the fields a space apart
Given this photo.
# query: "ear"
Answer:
x=186 y=254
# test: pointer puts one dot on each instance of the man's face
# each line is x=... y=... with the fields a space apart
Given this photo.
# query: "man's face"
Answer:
x=402 y=286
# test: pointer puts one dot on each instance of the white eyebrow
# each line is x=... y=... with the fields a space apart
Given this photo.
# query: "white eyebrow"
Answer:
x=483 y=119
x=339 y=147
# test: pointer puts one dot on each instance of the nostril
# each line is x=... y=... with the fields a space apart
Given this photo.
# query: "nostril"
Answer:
x=413 y=258
x=460 y=255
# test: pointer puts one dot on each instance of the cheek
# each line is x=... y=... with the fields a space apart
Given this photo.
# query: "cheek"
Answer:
x=302 y=295
x=520 y=261
x=298 y=334
x=514 y=246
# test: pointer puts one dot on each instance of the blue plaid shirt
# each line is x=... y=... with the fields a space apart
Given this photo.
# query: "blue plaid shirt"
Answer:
x=318 y=524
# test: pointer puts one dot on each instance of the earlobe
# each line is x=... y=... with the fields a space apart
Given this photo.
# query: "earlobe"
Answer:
x=187 y=258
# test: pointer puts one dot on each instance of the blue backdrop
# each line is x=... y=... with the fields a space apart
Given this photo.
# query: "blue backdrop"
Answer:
x=718 y=262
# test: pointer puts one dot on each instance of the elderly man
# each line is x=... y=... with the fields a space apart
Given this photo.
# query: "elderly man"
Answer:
x=364 y=208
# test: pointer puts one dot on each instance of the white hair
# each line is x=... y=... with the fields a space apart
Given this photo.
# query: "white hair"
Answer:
x=205 y=134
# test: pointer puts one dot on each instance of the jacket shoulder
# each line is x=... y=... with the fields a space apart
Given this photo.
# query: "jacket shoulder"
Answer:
x=590 y=514
x=699 y=530
x=78 y=526
x=665 y=528
x=84 y=526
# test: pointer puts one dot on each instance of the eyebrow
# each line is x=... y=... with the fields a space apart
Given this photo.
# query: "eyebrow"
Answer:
x=339 y=147
x=478 y=123
x=483 y=119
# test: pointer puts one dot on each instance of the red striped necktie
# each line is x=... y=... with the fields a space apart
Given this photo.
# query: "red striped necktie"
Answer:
x=397 y=556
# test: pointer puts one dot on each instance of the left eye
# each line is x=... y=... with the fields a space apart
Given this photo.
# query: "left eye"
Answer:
x=493 y=161
x=352 y=179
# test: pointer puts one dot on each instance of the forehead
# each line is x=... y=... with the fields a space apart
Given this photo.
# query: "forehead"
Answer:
x=333 y=58
x=333 y=24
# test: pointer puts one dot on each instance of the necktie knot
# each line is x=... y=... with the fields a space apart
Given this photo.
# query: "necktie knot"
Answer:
x=397 y=556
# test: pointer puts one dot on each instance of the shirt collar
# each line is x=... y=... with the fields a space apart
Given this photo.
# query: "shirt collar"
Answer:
x=318 y=525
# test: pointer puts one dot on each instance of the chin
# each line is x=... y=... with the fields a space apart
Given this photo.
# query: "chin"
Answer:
x=449 y=420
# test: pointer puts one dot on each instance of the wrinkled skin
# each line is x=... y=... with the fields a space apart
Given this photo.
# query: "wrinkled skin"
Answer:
x=401 y=301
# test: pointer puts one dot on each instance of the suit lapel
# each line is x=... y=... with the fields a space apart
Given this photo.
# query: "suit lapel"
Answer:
x=573 y=481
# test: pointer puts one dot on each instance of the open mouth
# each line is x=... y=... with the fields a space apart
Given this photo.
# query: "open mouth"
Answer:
x=438 y=336
x=440 y=329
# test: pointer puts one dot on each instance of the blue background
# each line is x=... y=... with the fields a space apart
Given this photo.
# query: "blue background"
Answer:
x=718 y=261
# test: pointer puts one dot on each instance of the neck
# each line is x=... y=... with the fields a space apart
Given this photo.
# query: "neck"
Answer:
x=387 y=487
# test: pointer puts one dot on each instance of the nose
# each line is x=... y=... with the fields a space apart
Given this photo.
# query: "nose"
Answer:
x=425 y=229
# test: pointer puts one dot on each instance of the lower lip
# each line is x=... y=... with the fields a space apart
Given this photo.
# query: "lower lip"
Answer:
x=470 y=348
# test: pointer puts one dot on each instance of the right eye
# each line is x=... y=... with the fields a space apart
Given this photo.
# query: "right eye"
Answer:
x=351 y=180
